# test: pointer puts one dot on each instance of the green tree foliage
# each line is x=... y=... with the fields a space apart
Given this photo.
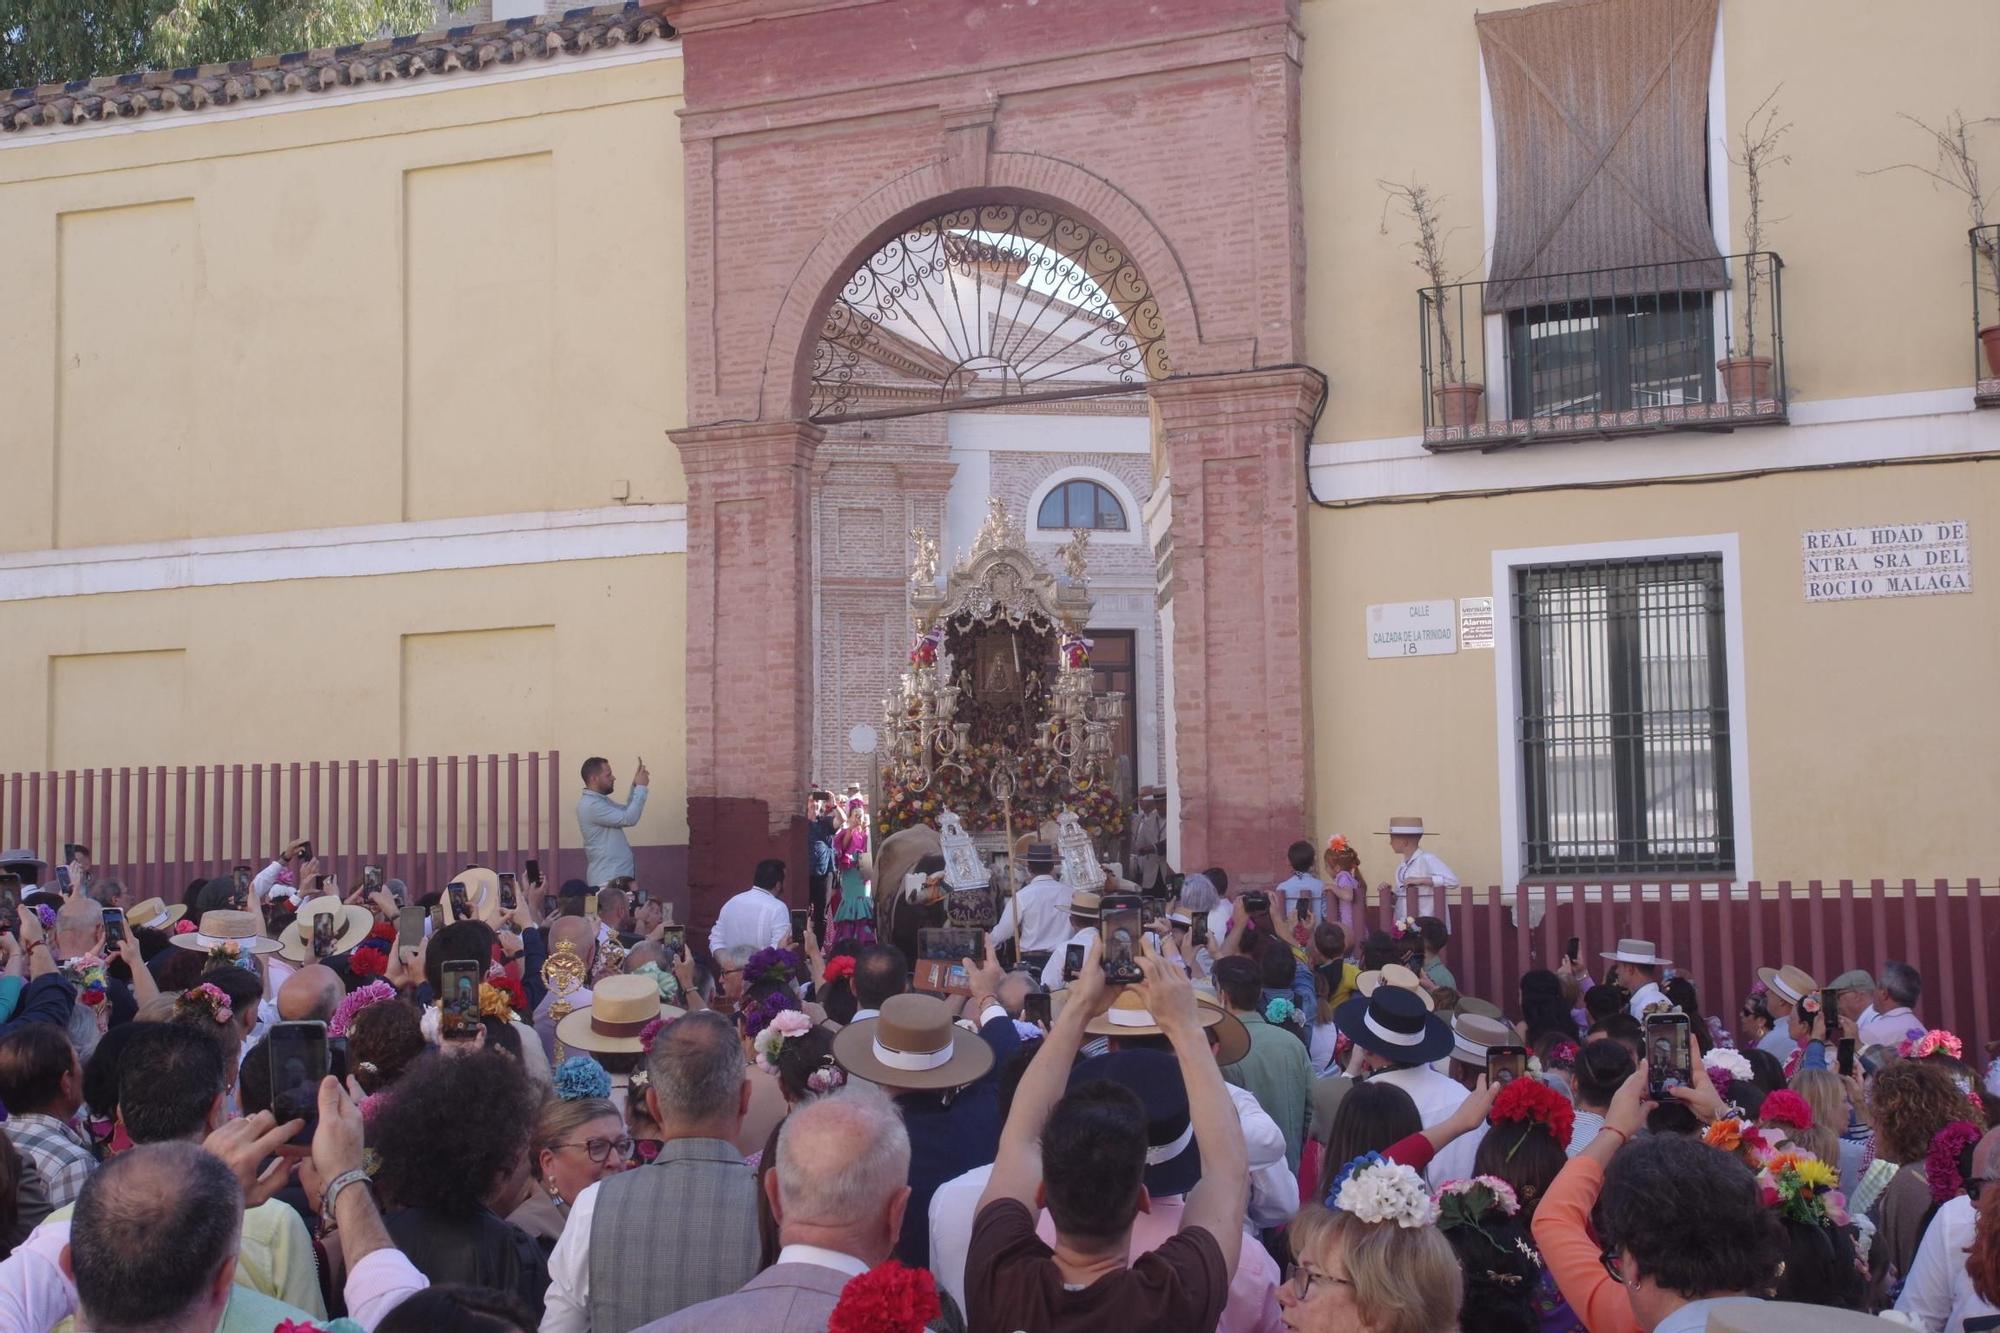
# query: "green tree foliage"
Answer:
x=53 y=41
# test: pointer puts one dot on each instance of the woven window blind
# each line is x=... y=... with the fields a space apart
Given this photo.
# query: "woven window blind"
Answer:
x=1600 y=119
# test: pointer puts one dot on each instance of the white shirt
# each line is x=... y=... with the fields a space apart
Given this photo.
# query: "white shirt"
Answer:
x=1274 y=1190
x=1436 y=1097
x=1938 y=1292
x=1887 y=1028
x=952 y=1209
x=861 y=1014
x=753 y=919
x=1044 y=905
x=566 y=1309
x=1422 y=901
x=824 y=1258
x=1650 y=993
x=1052 y=971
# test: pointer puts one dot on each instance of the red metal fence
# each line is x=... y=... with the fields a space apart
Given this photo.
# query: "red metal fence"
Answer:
x=157 y=829
x=1719 y=935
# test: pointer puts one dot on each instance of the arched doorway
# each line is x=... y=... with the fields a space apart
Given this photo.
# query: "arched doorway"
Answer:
x=1171 y=134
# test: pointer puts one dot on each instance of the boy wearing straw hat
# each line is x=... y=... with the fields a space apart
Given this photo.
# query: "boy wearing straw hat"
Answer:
x=1637 y=969
x=1420 y=874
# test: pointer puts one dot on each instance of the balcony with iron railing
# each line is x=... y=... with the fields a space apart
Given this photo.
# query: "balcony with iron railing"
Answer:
x=1689 y=345
x=1985 y=246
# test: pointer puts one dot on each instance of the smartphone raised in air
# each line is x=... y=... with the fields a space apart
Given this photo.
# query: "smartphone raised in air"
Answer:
x=1846 y=1049
x=1035 y=1008
x=461 y=909
x=410 y=929
x=534 y=871
x=509 y=899
x=1571 y=948
x=1073 y=956
x=460 y=1000
x=800 y=919
x=114 y=927
x=299 y=1060
x=323 y=934
x=1504 y=1064
x=1668 y=1063
x=674 y=940
x=1119 y=924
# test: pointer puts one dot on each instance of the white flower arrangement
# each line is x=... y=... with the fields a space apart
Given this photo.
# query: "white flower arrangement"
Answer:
x=1730 y=1062
x=790 y=1023
x=1387 y=1192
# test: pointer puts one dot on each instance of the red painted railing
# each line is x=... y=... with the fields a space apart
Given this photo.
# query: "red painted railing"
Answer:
x=1719 y=934
x=158 y=829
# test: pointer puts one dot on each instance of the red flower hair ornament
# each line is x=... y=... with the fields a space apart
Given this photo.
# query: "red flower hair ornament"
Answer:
x=886 y=1299
x=1526 y=1101
x=1787 y=1108
x=838 y=969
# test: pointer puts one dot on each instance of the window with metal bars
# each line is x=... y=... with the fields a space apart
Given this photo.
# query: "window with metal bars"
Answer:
x=1624 y=717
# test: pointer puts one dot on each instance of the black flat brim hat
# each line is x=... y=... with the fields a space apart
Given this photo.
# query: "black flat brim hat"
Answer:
x=1394 y=1024
x=1173 y=1159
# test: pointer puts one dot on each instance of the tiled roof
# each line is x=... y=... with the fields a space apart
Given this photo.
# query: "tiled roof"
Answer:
x=444 y=51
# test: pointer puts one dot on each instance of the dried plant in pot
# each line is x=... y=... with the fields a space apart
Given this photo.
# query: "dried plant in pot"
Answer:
x=1956 y=169
x=1458 y=398
x=1746 y=375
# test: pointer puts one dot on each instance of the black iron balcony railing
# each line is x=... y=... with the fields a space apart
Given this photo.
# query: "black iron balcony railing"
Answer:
x=1985 y=243
x=1695 y=345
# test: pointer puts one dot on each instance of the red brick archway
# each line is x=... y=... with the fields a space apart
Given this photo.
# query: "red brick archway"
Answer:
x=813 y=129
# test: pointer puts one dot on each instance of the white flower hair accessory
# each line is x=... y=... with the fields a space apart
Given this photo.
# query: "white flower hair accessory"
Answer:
x=1730 y=1062
x=1387 y=1192
x=789 y=1023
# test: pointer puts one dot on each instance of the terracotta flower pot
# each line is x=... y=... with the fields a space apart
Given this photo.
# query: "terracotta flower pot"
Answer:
x=1745 y=379
x=1458 y=404
x=1989 y=338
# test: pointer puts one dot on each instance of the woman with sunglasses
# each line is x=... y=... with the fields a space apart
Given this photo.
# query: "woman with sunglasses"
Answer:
x=576 y=1144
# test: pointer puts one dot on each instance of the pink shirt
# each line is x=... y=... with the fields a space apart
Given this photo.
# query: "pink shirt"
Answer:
x=1253 y=1291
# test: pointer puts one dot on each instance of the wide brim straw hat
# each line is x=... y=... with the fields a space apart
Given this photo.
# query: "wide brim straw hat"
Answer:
x=295 y=940
x=482 y=893
x=619 y=1009
x=222 y=928
x=1473 y=1036
x=1789 y=983
x=154 y=914
x=1641 y=953
x=1411 y=826
x=912 y=1045
x=1129 y=1017
x=1394 y=974
x=1393 y=1023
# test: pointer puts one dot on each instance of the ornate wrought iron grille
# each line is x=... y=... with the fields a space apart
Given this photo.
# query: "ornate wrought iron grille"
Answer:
x=992 y=301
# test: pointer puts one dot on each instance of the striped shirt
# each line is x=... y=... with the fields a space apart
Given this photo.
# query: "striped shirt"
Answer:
x=61 y=1155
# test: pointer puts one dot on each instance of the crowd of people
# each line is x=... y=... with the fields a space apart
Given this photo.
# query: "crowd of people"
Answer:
x=509 y=1105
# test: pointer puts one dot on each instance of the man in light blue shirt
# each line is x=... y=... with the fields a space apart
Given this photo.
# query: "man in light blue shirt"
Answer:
x=602 y=822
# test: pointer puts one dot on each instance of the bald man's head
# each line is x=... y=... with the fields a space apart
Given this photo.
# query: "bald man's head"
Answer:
x=310 y=994
x=580 y=933
x=644 y=952
x=842 y=1172
x=154 y=1239
x=78 y=924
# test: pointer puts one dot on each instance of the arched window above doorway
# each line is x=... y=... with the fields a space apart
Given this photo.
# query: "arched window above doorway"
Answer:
x=989 y=301
x=1081 y=503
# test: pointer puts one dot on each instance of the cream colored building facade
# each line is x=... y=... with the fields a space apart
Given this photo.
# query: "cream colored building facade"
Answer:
x=333 y=424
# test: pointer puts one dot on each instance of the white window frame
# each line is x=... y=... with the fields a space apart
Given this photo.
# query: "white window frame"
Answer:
x=1507 y=685
x=1134 y=533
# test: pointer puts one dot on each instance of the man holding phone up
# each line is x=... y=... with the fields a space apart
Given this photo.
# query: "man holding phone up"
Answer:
x=601 y=822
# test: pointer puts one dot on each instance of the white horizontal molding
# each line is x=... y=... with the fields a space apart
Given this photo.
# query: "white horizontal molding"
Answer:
x=285 y=104
x=1825 y=431
x=485 y=542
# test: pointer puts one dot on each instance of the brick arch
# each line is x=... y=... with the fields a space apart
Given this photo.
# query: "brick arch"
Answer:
x=1023 y=178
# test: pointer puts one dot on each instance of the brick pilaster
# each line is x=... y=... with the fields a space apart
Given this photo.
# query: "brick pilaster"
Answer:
x=1234 y=448
x=749 y=652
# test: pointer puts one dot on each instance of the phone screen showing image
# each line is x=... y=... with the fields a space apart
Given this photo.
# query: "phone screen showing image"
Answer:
x=305 y=851
x=114 y=926
x=1668 y=1064
x=590 y=904
x=509 y=899
x=1119 y=923
x=1504 y=1064
x=323 y=934
x=371 y=878
x=1200 y=929
x=298 y=1062
x=674 y=938
x=461 y=910
x=1073 y=955
x=461 y=999
x=951 y=943
x=62 y=878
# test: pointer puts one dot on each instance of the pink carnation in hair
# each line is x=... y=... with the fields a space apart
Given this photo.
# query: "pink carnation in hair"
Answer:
x=1787 y=1108
x=183 y=927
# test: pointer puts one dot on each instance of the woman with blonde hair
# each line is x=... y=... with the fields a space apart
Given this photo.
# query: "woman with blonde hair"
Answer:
x=1375 y=1262
x=1826 y=1093
x=576 y=1144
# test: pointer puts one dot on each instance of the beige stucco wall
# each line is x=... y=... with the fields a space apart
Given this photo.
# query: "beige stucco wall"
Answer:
x=464 y=301
x=1876 y=294
x=452 y=298
x=1870 y=724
